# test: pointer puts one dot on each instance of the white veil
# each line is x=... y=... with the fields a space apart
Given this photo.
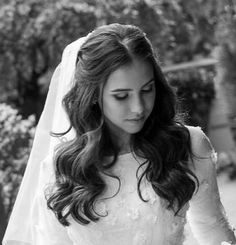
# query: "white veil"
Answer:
x=54 y=119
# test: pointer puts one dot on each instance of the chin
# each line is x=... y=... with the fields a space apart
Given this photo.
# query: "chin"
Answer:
x=134 y=130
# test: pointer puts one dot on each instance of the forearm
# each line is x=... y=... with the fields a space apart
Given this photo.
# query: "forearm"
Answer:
x=212 y=230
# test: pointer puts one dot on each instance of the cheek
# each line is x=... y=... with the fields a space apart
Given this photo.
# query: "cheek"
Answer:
x=113 y=110
x=150 y=101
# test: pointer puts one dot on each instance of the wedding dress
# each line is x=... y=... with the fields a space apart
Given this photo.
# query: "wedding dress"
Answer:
x=130 y=221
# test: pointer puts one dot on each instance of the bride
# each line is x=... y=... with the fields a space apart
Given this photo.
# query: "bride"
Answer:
x=120 y=167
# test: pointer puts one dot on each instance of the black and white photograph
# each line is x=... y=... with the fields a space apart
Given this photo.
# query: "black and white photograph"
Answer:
x=118 y=122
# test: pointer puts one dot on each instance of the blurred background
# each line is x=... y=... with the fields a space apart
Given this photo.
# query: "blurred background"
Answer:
x=196 y=44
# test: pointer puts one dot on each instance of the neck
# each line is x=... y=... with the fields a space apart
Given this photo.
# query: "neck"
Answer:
x=121 y=142
x=120 y=138
x=124 y=149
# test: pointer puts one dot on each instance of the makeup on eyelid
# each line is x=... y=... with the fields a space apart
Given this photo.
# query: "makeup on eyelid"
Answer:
x=122 y=96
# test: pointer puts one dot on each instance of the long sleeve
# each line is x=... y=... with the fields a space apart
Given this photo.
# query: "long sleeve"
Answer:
x=206 y=214
x=46 y=229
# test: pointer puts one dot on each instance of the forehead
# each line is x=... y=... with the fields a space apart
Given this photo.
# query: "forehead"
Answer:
x=132 y=75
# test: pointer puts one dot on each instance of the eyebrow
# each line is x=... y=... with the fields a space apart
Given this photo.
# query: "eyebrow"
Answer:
x=129 y=89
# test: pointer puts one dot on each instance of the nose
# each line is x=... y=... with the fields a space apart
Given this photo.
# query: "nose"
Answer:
x=137 y=106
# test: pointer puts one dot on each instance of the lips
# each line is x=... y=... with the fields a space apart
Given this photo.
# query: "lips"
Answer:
x=136 y=119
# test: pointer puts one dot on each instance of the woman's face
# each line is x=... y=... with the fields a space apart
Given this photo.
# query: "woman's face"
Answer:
x=128 y=97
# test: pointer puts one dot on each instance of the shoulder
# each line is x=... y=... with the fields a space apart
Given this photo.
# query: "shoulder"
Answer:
x=200 y=144
x=203 y=162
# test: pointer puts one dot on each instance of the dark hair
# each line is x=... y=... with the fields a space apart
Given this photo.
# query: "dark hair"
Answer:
x=163 y=141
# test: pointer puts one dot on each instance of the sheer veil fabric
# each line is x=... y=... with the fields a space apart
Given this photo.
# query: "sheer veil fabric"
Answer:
x=53 y=118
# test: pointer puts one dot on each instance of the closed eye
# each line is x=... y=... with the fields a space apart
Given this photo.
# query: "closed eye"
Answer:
x=148 y=88
x=121 y=96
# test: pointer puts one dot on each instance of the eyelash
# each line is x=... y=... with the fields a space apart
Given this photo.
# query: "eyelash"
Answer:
x=148 y=90
x=121 y=97
x=126 y=95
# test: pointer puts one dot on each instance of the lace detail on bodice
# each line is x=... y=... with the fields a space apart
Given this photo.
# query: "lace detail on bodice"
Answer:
x=128 y=220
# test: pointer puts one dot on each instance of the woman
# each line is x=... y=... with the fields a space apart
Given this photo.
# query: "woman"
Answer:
x=126 y=171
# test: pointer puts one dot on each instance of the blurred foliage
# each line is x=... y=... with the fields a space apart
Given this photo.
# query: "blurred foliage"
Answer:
x=226 y=164
x=16 y=139
x=33 y=34
x=226 y=36
x=195 y=90
x=179 y=30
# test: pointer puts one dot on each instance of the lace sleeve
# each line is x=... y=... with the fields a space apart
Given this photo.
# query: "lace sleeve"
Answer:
x=206 y=214
x=45 y=228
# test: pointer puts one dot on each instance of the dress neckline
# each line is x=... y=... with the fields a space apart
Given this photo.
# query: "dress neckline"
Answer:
x=123 y=155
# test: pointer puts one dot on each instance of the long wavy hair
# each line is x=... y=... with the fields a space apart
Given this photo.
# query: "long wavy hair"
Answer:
x=163 y=141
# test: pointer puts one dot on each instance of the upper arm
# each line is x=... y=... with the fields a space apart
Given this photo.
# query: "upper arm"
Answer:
x=204 y=156
x=200 y=143
x=206 y=214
